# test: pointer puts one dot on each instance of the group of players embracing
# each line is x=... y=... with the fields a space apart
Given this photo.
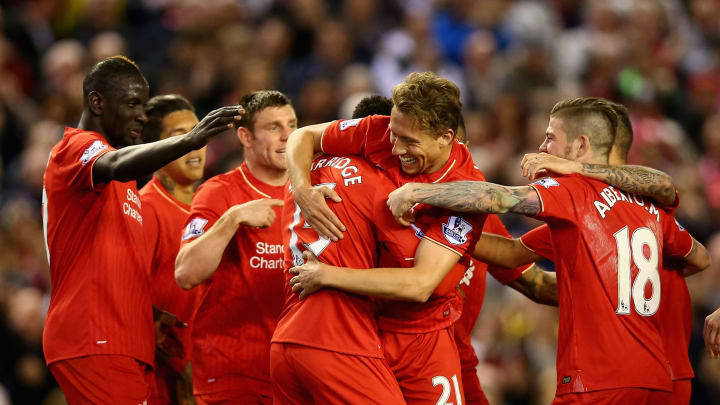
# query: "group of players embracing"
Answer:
x=345 y=262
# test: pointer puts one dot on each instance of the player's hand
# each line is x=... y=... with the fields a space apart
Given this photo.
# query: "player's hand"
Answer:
x=711 y=333
x=400 y=202
x=256 y=213
x=308 y=277
x=316 y=212
x=166 y=340
x=214 y=123
x=536 y=165
x=184 y=387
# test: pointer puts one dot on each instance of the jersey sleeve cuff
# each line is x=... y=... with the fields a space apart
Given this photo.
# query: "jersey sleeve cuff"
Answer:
x=443 y=245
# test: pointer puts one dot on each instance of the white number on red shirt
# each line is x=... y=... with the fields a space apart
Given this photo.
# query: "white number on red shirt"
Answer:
x=317 y=246
x=628 y=250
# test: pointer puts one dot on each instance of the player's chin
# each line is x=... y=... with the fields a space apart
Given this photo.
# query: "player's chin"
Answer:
x=410 y=170
x=194 y=174
x=280 y=163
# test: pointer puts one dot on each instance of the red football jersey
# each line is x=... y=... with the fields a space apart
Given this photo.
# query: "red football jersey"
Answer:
x=370 y=137
x=100 y=299
x=163 y=220
x=332 y=319
x=674 y=321
x=240 y=303
x=607 y=248
x=472 y=286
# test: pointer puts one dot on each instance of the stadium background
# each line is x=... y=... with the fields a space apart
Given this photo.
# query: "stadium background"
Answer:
x=511 y=59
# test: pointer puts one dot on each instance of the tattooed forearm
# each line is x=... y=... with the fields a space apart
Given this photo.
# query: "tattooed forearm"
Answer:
x=635 y=179
x=478 y=197
x=538 y=285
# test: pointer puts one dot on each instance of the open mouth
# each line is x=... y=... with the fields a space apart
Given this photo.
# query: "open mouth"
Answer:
x=195 y=162
x=135 y=133
x=407 y=161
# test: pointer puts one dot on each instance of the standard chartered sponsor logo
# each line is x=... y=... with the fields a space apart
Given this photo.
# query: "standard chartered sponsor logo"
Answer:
x=128 y=208
x=271 y=256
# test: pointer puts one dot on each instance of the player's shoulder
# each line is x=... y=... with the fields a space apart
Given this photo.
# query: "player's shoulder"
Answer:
x=464 y=167
x=222 y=182
x=371 y=124
x=79 y=144
x=569 y=181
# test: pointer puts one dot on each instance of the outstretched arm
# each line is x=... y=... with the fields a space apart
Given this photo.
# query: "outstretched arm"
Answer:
x=464 y=196
x=639 y=180
x=302 y=144
x=417 y=283
x=138 y=160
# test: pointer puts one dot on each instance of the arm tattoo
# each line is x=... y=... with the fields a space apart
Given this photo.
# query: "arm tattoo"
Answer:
x=635 y=179
x=538 y=285
x=479 y=197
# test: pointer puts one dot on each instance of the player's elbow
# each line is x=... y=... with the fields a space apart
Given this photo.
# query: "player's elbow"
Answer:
x=419 y=296
x=703 y=260
x=668 y=192
x=419 y=291
x=184 y=276
x=697 y=261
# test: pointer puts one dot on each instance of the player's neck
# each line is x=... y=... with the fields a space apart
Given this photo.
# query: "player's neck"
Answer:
x=591 y=158
x=441 y=161
x=269 y=176
x=181 y=192
x=90 y=123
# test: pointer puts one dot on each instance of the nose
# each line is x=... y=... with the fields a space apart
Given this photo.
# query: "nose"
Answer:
x=398 y=148
x=544 y=147
x=285 y=134
x=142 y=117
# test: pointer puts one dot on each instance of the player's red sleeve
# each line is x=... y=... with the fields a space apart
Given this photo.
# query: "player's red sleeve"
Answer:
x=351 y=137
x=556 y=199
x=677 y=241
x=494 y=225
x=539 y=240
x=208 y=204
x=81 y=154
x=457 y=233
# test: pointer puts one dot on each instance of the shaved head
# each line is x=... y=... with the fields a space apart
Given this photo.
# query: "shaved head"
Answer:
x=109 y=77
x=589 y=116
x=623 y=134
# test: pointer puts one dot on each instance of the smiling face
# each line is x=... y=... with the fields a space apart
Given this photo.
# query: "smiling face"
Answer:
x=270 y=131
x=189 y=168
x=417 y=150
x=123 y=112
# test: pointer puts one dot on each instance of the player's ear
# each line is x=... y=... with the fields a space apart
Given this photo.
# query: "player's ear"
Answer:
x=583 y=142
x=245 y=137
x=96 y=103
x=447 y=137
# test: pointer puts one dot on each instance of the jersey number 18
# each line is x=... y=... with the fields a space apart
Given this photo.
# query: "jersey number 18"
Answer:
x=628 y=250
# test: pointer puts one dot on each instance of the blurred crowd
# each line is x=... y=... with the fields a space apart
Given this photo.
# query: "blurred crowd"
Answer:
x=512 y=60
